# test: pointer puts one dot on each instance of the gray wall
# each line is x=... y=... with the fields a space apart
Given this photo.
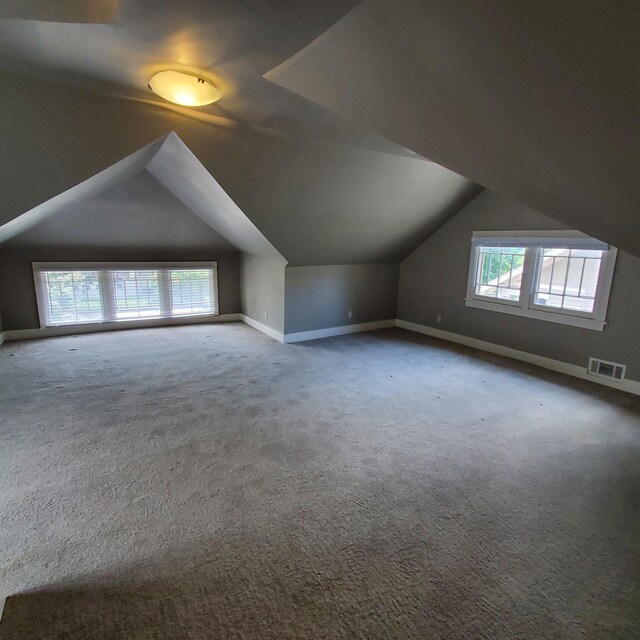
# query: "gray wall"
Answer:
x=433 y=281
x=262 y=290
x=17 y=292
x=315 y=202
x=138 y=212
x=319 y=297
x=535 y=100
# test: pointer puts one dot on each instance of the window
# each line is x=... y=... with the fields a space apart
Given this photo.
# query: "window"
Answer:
x=116 y=292
x=561 y=276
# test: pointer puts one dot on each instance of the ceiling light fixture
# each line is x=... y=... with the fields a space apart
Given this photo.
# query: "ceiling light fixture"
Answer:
x=182 y=87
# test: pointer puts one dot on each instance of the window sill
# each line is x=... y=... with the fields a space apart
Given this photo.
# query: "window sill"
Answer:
x=138 y=323
x=548 y=316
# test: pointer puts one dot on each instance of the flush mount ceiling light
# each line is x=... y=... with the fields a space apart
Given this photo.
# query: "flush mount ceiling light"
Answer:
x=182 y=87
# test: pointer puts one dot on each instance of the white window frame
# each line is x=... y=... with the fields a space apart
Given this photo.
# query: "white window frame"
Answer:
x=532 y=241
x=109 y=314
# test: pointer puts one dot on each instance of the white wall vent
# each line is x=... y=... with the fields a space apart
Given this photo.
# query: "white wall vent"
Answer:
x=604 y=369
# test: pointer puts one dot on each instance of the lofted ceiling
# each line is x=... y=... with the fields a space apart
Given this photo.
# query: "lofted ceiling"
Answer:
x=138 y=212
x=535 y=100
x=334 y=114
x=315 y=202
x=234 y=41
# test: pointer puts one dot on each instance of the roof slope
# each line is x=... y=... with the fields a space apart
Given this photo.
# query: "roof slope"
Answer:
x=136 y=213
x=313 y=202
x=535 y=100
x=173 y=166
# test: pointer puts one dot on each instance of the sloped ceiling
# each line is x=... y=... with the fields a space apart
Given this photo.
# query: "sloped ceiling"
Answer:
x=235 y=42
x=536 y=100
x=137 y=212
x=91 y=11
x=315 y=202
x=174 y=174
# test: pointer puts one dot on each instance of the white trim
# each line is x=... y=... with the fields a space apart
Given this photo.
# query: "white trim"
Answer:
x=566 y=239
x=70 y=330
x=2 y=337
x=524 y=307
x=272 y=333
x=338 y=331
x=108 y=311
x=630 y=386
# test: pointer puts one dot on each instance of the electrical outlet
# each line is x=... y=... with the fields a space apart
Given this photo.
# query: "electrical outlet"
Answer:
x=438 y=318
x=266 y=315
x=350 y=314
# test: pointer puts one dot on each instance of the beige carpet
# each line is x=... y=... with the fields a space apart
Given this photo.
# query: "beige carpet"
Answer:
x=207 y=482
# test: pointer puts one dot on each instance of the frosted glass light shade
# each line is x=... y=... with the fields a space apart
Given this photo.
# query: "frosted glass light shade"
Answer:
x=184 y=88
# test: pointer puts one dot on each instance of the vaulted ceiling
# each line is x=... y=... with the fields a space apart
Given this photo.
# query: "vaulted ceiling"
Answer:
x=334 y=114
x=138 y=212
x=536 y=100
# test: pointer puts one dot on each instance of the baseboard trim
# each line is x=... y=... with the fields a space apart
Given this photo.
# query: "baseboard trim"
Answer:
x=272 y=333
x=302 y=336
x=50 y=332
x=630 y=386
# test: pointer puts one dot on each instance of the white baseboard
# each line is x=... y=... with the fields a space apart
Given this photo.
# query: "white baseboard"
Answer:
x=272 y=333
x=630 y=386
x=338 y=331
x=48 y=332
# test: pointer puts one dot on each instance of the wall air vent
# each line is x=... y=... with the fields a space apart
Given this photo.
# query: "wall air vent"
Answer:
x=604 y=369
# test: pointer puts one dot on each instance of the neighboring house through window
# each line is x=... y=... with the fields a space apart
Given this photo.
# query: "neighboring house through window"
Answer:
x=560 y=276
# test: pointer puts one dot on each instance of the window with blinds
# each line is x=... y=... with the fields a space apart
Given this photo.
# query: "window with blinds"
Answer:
x=117 y=292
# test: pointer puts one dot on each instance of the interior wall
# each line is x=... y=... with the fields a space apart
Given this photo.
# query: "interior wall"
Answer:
x=311 y=199
x=319 y=297
x=433 y=280
x=262 y=290
x=17 y=291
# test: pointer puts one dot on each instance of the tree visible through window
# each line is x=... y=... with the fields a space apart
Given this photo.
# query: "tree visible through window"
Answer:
x=564 y=278
x=116 y=294
x=499 y=272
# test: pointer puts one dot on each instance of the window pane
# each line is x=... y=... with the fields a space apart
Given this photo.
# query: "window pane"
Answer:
x=136 y=294
x=191 y=292
x=567 y=279
x=499 y=272
x=73 y=297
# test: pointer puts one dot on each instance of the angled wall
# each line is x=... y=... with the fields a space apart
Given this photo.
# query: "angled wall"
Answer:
x=433 y=281
x=262 y=291
x=316 y=202
x=135 y=220
x=535 y=100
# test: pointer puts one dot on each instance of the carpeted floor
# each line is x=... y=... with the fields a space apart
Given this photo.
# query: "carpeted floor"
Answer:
x=207 y=482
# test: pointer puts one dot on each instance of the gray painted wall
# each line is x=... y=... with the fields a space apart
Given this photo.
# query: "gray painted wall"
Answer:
x=315 y=202
x=535 y=100
x=138 y=212
x=262 y=290
x=17 y=292
x=319 y=297
x=433 y=281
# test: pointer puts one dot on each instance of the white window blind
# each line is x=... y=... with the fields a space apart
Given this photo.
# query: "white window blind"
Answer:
x=72 y=297
x=191 y=292
x=116 y=292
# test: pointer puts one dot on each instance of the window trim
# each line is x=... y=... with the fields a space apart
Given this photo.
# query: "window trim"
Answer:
x=40 y=267
x=525 y=307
